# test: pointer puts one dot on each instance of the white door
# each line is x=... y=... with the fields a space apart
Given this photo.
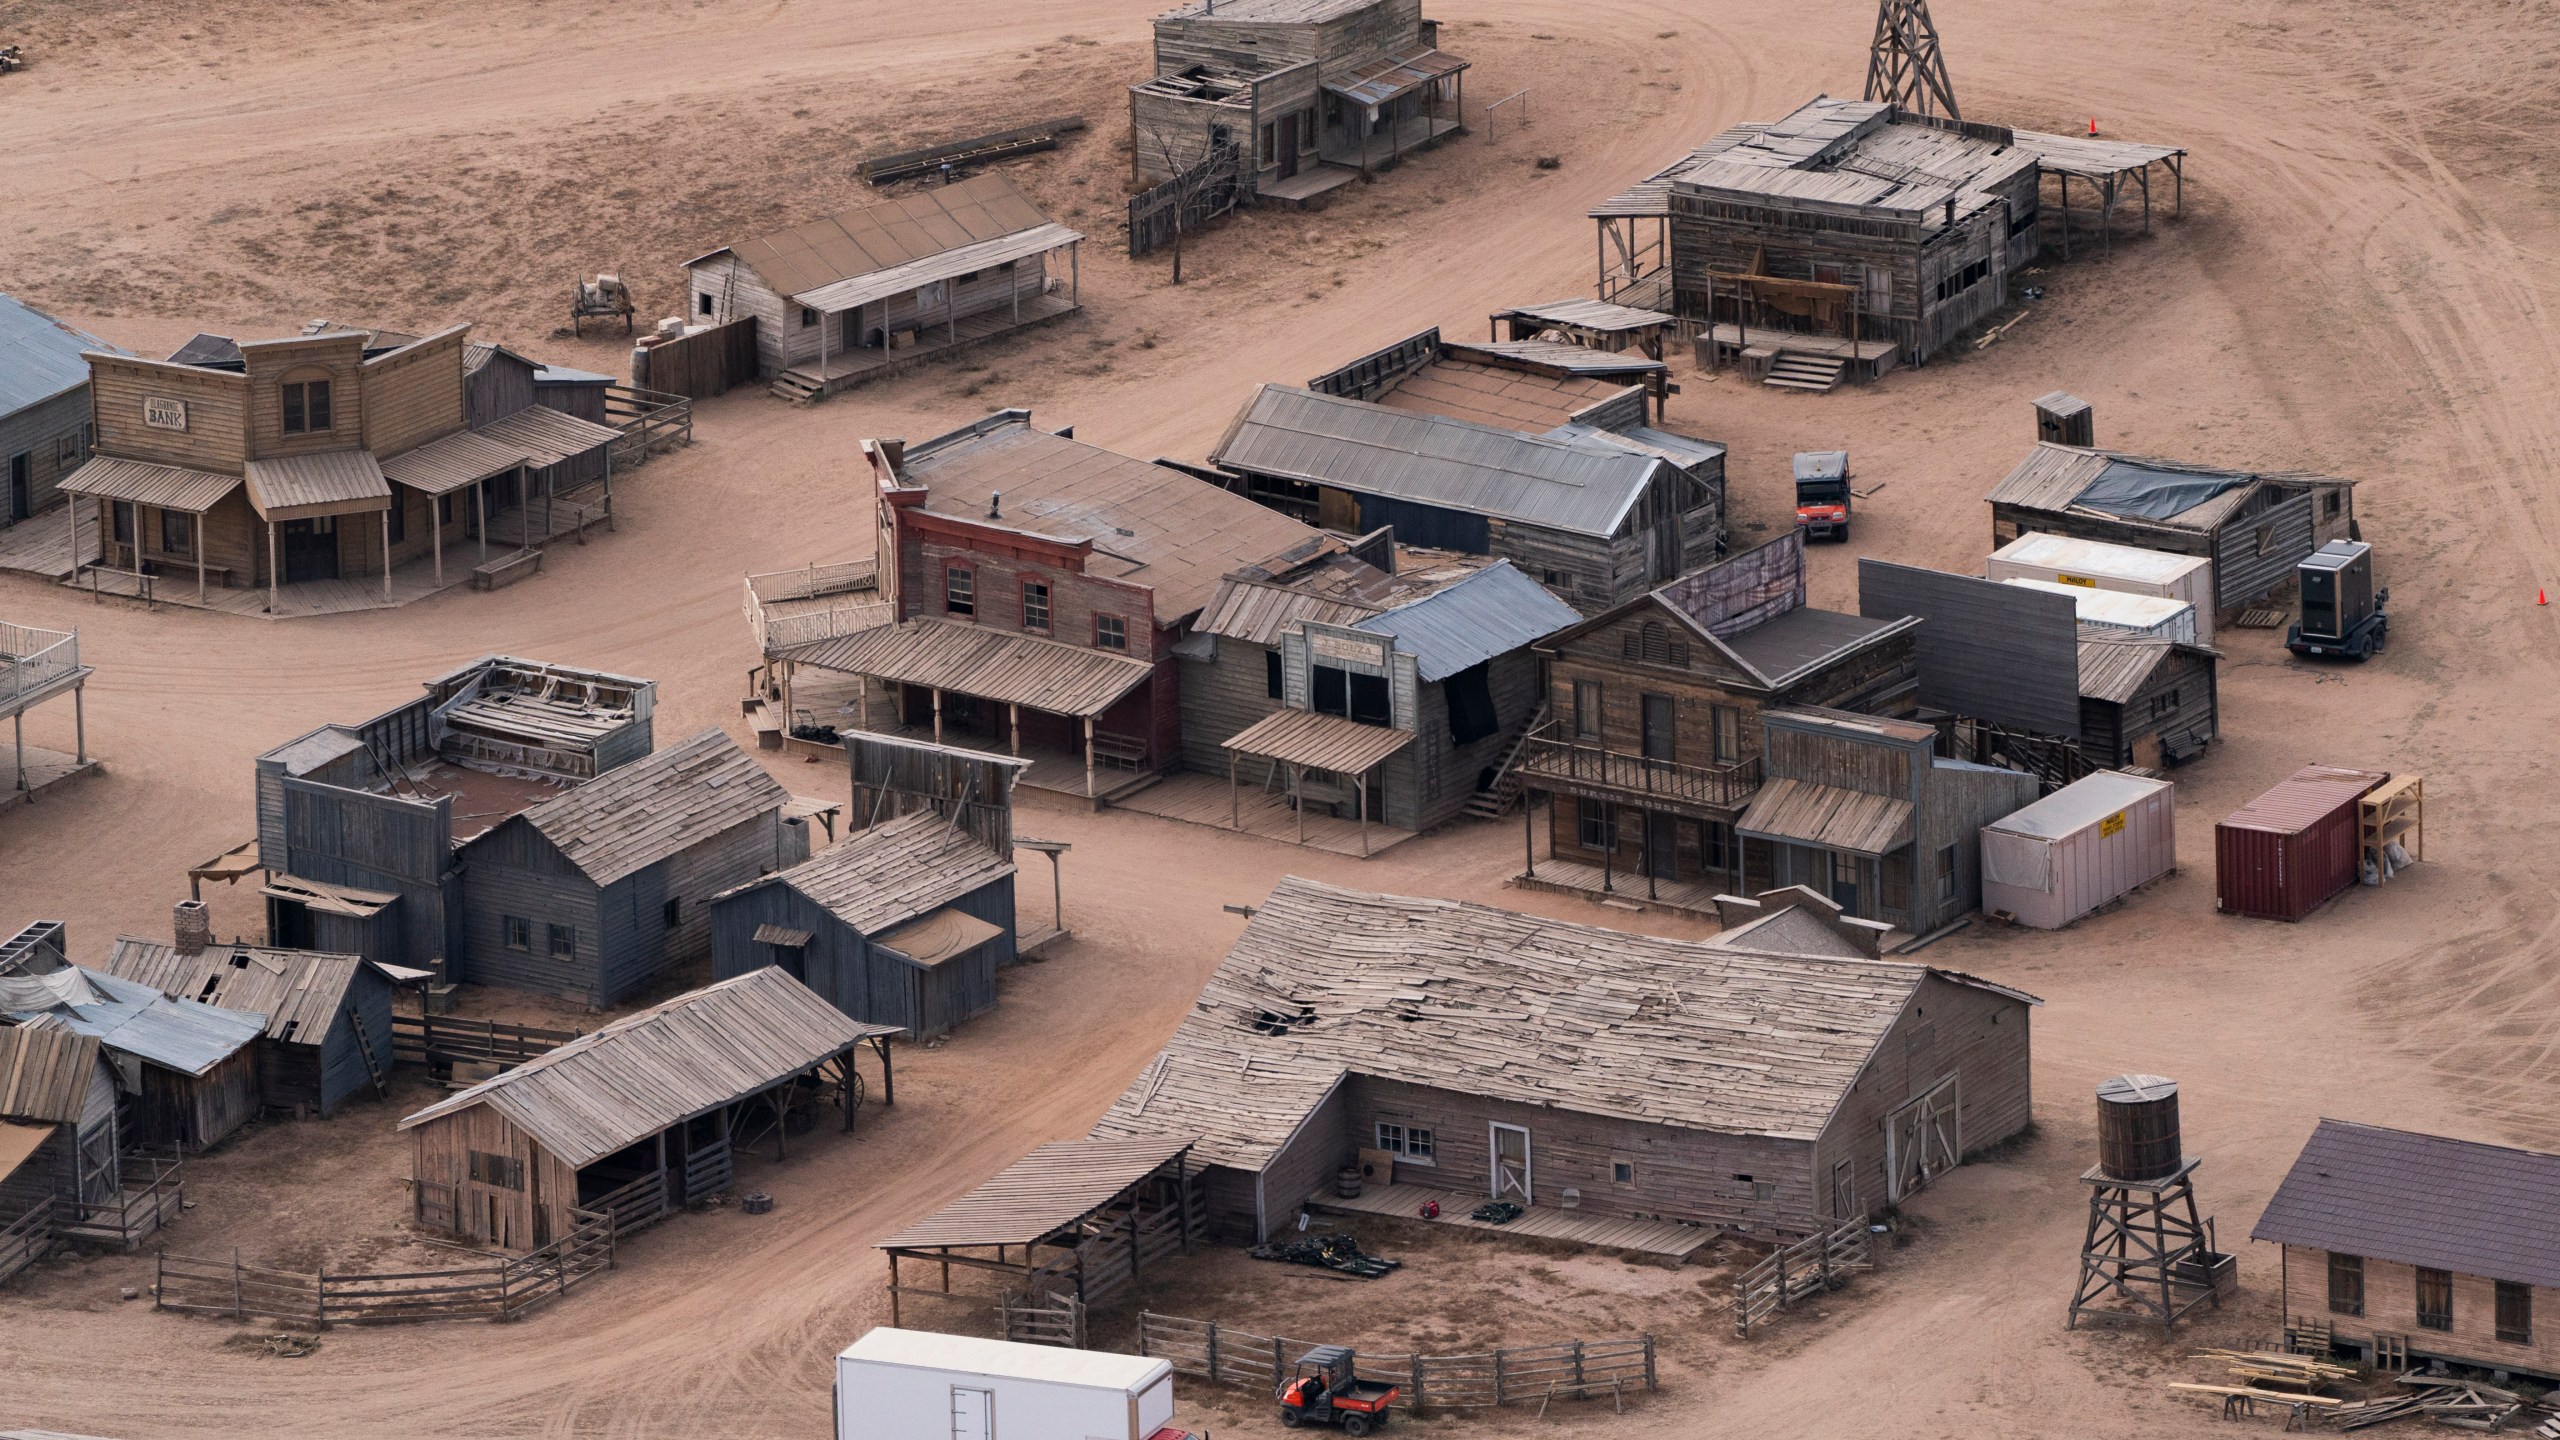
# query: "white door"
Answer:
x=1511 y=1178
x=1923 y=1138
x=973 y=1414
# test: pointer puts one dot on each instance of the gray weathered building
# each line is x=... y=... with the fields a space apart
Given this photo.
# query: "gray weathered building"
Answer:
x=327 y=1017
x=45 y=425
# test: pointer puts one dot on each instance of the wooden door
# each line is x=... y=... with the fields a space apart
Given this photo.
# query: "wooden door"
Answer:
x=1844 y=1189
x=19 y=491
x=1288 y=145
x=1923 y=1138
x=1511 y=1173
x=973 y=1413
x=1661 y=724
x=1661 y=845
x=310 y=550
x=1844 y=882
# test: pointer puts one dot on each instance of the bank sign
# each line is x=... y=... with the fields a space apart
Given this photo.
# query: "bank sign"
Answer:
x=164 y=414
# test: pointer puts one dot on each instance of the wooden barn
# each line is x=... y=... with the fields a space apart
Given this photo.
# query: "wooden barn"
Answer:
x=2407 y=1248
x=1734 y=1084
x=1651 y=747
x=189 y=1070
x=1593 y=517
x=2151 y=704
x=362 y=828
x=1315 y=92
x=58 y=1136
x=593 y=894
x=45 y=429
x=872 y=290
x=327 y=1017
x=637 y=1119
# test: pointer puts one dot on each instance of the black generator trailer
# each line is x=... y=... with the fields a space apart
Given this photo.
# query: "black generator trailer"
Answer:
x=2342 y=614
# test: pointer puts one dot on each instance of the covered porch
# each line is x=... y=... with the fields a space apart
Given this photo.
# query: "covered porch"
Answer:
x=1855 y=848
x=1319 y=761
x=1405 y=101
x=1628 y=828
x=879 y=323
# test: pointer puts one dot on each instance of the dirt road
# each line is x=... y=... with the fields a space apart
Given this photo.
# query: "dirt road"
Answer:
x=2359 y=285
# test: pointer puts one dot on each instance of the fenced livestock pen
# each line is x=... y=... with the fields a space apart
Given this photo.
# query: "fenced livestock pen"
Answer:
x=1508 y=1375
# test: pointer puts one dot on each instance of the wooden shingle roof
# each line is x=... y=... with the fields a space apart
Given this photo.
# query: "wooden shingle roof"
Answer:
x=1467 y=998
x=667 y=1064
x=880 y=878
x=300 y=992
x=1042 y=1193
x=633 y=816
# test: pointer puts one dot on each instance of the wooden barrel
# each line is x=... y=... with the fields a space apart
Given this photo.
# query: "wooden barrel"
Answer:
x=1346 y=1182
x=2138 y=1127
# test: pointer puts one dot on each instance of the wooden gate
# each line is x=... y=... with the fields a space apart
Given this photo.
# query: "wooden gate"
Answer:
x=699 y=365
x=1923 y=1139
x=1820 y=1261
x=1057 y=1319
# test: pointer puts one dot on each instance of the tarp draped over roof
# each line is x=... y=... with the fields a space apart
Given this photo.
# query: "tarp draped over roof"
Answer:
x=300 y=992
x=887 y=234
x=2146 y=492
x=1043 y=1192
x=877 y=879
x=330 y=482
x=643 y=1073
x=138 y=1020
x=635 y=815
x=165 y=487
x=990 y=664
x=40 y=357
x=1831 y=816
x=2425 y=1200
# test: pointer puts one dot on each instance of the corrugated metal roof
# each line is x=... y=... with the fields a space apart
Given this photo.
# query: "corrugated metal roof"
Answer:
x=1492 y=612
x=1326 y=742
x=169 y=487
x=860 y=290
x=633 y=816
x=1834 y=818
x=877 y=879
x=1684 y=451
x=563 y=375
x=2424 y=1200
x=44 y=1072
x=1042 y=1193
x=1374 y=450
x=888 y=233
x=40 y=357
x=300 y=992
x=1378 y=81
x=458 y=459
x=2307 y=796
x=138 y=1020
x=331 y=482
x=1850 y=723
x=1595 y=315
x=990 y=664
x=548 y=436
x=2077 y=806
x=1485 y=1002
x=1259 y=610
x=641 y=1074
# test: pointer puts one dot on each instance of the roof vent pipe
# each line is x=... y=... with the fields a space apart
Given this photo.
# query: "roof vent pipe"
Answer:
x=995 y=504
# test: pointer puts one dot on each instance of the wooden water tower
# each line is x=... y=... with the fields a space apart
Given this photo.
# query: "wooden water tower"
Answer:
x=2147 y=1257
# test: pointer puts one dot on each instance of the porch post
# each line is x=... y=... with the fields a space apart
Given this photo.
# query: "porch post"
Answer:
x=435 y=521
x=480 y=515
x=1608 y=847
x=951 y=311
x=271 y=567
x=18 y=736
x=71 y=517
x=1088 y=757
x=1013 y=714
x=199 y=538
x=386 y=550
x=1298 y=801
x=1360 y=784
x=937 y=714
x=80 y=722
x=1235 y=813
x=1075 y=274
x=1529 y=829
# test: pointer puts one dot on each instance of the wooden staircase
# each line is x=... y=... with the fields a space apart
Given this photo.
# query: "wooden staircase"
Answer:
x=1496 y=799
x=796 y=387
x=1795 y=370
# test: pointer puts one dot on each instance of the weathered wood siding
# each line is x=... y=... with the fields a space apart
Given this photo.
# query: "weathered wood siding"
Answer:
x=373 y=842
x=512 y=870
x=1172 y=133
x=488 y=1214
x=217 y=401
x=415 y=395
x=1956 y=802
x=1948 y=1029
x=337 y=358
x=2391 y=1307
x=192 y=1113
x=502 y=386
x=734 y=290
x=860 y=979
x=1305 y=1163
x=2181 y=696
x=761 y=845
x=50 y=437
x=1221 y=698
x=584 y=399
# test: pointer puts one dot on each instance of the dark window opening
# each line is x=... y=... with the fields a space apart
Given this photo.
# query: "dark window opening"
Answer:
x=1035 y=606
x=1963 y=280
x=395 y=521
x=1271 y=679
x=177 y=533
x=2435 y=1299
x=2346 y=1284
x=504 y=1172
x=519 y=932
x=960 y=590
x=808 y=317
x=1595 y=828
x=2515 y=1313
x=1369 y=704
x=1331 y=692
x=1623 y=1172
x=1110 y=632
x=672 y=913
x=702 y=303
x=1471 y=710
x=564 y=942
x=306 y=407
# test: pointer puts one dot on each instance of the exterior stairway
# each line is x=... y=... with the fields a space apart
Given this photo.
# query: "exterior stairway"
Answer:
x=1496 y=799
x=1797 y=371
x=795 y=386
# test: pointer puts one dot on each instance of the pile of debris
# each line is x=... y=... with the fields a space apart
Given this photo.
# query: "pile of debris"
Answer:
x=2460 y=1404
x=2289 y=1382
x=1328 y=1252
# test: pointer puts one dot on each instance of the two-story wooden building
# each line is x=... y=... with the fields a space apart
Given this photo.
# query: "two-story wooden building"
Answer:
x=1311 y=94
x=341 y=455
x=1036 y=587
x=2412 y=1247
x=1651 y=749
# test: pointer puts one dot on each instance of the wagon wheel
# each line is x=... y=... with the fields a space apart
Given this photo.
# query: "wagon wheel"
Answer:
x=849 y=1094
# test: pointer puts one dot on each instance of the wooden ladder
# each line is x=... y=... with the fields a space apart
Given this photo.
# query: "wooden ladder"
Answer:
x=372 y=1066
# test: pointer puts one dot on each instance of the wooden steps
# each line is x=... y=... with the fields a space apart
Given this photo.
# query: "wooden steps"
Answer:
x=1495 y=800
x=1795 y=370
x=796 y=387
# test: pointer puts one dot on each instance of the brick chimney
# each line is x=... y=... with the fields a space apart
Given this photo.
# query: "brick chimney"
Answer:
x=193 y=925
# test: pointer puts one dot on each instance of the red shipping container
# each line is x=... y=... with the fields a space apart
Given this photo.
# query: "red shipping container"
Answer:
x=2282 y=855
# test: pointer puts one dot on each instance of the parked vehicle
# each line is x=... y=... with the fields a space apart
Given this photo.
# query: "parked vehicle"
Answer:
x=1327 y=1390
x=897 y=1384
x=1822 y=494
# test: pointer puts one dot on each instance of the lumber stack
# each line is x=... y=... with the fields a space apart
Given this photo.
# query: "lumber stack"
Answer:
x=2261 y=1368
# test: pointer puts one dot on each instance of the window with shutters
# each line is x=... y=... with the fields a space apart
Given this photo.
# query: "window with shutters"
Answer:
x=2346 y=1284
x=2435 y=1299
x=1654 y=644
x=2515 y=1313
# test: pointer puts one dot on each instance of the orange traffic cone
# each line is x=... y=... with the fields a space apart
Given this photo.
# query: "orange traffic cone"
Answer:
x=2539 y=598
x=2093 y=124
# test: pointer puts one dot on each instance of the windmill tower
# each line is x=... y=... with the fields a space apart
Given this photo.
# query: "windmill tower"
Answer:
x=1905 y=67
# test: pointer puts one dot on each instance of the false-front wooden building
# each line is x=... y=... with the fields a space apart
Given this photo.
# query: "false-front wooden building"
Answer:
x=1748 y=1084
x=1310 y=94
x=2421 y=1247
x=45 y=430
x=593 y=894
x=1651 y=747
x=639 y=1118
x=870 y=290
x=327 y=1017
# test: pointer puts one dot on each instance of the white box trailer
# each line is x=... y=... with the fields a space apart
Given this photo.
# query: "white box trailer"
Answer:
x=2078 y=848
x=917 y=1385
x=2149 y=617
x=2097 y=565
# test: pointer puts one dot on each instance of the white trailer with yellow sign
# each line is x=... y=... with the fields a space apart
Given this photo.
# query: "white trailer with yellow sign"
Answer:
x=2078 y=848
x=2096 y=565
x=918 y=1385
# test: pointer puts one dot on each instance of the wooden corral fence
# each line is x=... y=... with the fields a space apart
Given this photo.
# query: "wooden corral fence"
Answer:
x=1187 y=201
x=443 y=1039
x=1567 y=1369
x=153 y=1191
x=650 y=421
x=1058 y=1320
x=501 y=1289
x=700 y=365
x=1818 y=1262
x=28 y=1238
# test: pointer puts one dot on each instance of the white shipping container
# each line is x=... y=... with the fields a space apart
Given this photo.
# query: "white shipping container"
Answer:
x=2153 y=617
x=2078 y=848
x=916 y=1385
x=2097 y=565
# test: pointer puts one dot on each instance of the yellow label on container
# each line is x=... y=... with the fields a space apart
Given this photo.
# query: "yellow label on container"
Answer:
x=2112 y=825
x=2075 y=580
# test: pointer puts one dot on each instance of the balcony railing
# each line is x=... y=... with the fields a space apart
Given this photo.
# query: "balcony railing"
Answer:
x=1554 y=757
x=33 y=660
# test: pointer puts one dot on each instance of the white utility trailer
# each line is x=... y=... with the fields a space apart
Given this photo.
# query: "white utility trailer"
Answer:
x=917 y=1385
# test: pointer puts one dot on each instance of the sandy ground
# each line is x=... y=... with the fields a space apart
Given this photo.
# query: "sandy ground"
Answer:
x=2358 y=284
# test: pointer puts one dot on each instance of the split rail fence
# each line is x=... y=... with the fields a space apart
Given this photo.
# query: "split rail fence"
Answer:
x=443 y=1039
x=1820 y=1261
x=27 y=1239
x=502 y=1289
x=1187 y=201
x=1567 y=1369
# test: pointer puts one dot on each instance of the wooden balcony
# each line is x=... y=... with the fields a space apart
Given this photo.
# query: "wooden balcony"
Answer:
x=1555 y=762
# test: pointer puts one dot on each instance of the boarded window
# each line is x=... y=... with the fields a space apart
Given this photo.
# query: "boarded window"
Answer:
x=959 y=590
x=2435 y=1299
x=503 y=1172
x=1035 y=606
x=1586 y=709
x=1945 y=886
x=1470 y=697
x=1110 y=632
x=2515 y=1313
x=1369 y=703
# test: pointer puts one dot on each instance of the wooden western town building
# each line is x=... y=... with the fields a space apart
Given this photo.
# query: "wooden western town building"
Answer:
x=1770 y=1082
x=327 y=1017
x=1309 y=94
x=45 y=430
x=1034 y=587
x=638 y=1119
x=2406 y=1248
x=187 y=1071
x=873 y=290
x=1650 y=748
x=906 y=921
x=1339 y=691
x=333 y=470
x=1848 y=236
x=2148 y=703
x=1596 y=516
x=59 y=1142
